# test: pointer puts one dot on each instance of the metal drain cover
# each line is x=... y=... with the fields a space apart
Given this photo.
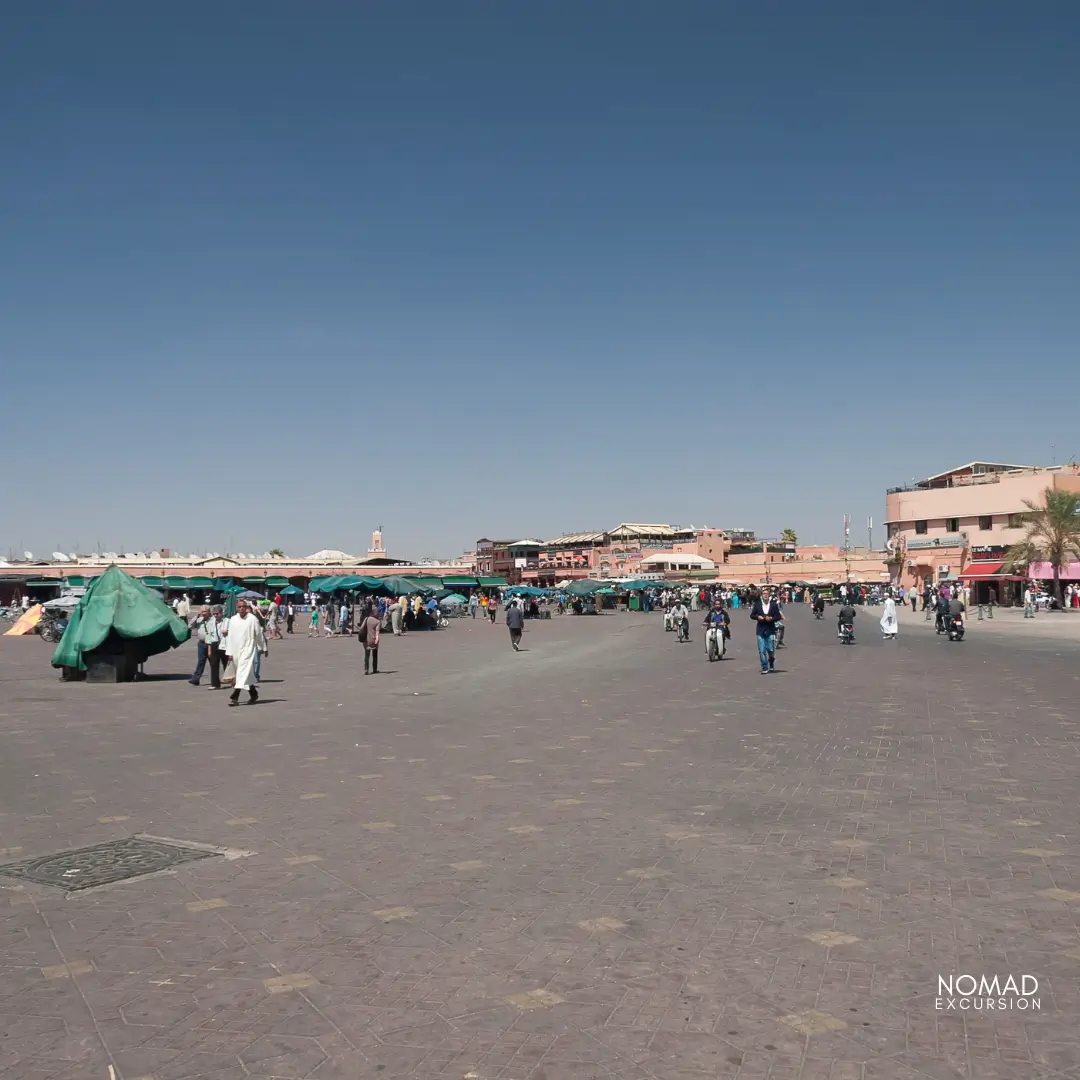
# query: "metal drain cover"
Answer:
x=104 y=864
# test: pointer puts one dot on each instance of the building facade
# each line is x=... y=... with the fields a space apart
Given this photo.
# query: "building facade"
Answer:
x=961 y=523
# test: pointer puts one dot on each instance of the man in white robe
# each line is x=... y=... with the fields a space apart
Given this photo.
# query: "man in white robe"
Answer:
x=889 y=625
x=243 y=640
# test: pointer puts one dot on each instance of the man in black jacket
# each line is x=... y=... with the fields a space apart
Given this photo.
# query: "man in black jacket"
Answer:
x=766 y=614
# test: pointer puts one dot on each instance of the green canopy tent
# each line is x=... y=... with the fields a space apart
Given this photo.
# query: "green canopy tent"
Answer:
x=119 y=620
x=427 y=584
x=292 y=590
x=584 y=587
x=400 y=586
x=636 y=586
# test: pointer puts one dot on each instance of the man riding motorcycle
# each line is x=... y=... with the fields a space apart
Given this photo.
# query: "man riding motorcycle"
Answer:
x=817 y=603
x=680 y=619
x=941 y=613
x=845 y=617
x=717 y=623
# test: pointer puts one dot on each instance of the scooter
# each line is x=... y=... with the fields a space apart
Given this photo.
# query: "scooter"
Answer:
x=715 y=643
x=684 y=630
x=956 y=628
x=847 y=634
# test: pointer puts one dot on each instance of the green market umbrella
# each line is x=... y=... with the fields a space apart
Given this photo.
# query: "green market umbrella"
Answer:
x=292 y=590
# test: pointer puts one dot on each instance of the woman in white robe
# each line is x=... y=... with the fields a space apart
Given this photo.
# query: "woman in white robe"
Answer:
x=889 y=624
x=243 y=641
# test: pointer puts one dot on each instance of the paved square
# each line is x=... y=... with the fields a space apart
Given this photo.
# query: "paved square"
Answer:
x=602 y=857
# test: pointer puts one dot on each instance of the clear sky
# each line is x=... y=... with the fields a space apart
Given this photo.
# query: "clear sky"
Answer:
x=276 y=273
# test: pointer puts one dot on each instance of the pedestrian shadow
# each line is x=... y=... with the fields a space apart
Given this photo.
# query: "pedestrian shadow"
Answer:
x=142 y=677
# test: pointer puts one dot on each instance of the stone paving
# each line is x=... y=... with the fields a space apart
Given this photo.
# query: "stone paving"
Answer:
x=600 y=858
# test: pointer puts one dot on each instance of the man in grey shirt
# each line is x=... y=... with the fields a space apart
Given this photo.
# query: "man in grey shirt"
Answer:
x=515 y=619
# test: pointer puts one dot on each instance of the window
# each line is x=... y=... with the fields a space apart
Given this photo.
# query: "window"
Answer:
x=1016 y=521
x=952 y=524
x=920 y=528
x=986 y=523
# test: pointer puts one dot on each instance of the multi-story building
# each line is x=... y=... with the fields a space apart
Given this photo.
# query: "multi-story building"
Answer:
x=962 y=522
x=507 y=559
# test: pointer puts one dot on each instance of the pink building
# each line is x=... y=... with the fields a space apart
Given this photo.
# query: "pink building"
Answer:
x=962 y=522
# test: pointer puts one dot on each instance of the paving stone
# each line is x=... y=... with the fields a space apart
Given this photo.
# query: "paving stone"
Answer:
x=601 y=857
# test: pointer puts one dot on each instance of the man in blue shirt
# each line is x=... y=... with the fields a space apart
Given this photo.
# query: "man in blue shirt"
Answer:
x=766 y=614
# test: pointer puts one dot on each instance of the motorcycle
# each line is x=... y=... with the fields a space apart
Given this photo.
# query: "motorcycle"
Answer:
x=684 y=630
x=956 y=628
x=819 y=610
x=715 y=643
x=847 y=634
x=51 y=627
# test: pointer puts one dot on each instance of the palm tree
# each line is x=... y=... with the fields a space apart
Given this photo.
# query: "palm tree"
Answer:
x=277 y=553
x=1053 y=534
x=788 y=536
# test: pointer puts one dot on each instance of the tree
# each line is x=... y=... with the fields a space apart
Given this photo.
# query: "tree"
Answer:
x=788 y=536
x=1052 y=534
x=277 y=553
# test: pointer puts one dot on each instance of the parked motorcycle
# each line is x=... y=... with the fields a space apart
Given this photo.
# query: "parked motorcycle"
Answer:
x=51 y=627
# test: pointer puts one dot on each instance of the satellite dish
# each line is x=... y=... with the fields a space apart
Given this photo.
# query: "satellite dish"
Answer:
x=28 y=554
x=110 y=554
x=59 y=556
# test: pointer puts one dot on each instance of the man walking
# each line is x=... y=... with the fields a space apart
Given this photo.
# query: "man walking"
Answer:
x=290 y=615
x=515 y=619
x=765 y=614
x=473 y=605
x=1029 y=603
x=244 y=639
x=368 y=633
x=202 y=644
x=492 y=608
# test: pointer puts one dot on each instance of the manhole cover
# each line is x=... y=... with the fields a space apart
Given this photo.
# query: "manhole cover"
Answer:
x=103 y=864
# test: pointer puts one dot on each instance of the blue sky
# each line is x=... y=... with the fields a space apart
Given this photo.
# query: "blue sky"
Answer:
x=275 y=273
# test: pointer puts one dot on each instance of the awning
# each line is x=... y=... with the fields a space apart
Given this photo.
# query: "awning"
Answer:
x=176 y=582
x=200 y=583
x=492 y=582
x=1044 y=571
x=452 y=582
x=981 y=571
x=254 y=580
x=277 y=582
x=76 y=580
x=41 y=582
x=152 y=581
